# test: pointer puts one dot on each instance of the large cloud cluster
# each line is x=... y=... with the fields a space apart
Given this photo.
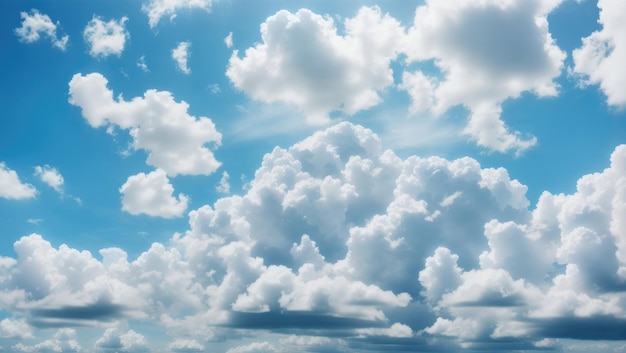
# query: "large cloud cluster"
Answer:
x=337 y=234
x=472 y=53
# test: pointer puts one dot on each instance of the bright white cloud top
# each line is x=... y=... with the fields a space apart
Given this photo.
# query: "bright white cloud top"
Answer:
x=254 y=197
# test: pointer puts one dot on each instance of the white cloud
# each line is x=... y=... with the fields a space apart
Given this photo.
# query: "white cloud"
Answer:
x=106 y=38
x=510 y=296
x=186 y=346
x=174 y=140
x=600 y=58
x=152 y=194
x=155 y=9
x=63 y=341
x=114 y=340
x=11 y=187
x=15 y=329
x=51 y=176
x=223 y=187
x=255 y=347
x=487 y=52
x=142 y=64
x=229 y=40
x=303 y=62
x=35 y=25
x=334 y=235
x=440 y=275
x=180 y=54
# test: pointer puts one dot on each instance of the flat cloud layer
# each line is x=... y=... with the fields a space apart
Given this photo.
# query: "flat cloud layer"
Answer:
x=338 y=236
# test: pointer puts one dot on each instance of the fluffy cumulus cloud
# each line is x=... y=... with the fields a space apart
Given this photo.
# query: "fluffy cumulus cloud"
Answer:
x=11 y=187
x=115 y=340
x=175 y=141
x=186 y=346
x=51 y=176
x=15 y=329
x=337 y=237
x=36 y=25
x=64 y=340
x=303 y=61
x=152 y=194
x=180 y=54
x=106 y=38
x=224 y=186
x=486 y=52
x=572 y=288
x=156 y=9
x=600 y=58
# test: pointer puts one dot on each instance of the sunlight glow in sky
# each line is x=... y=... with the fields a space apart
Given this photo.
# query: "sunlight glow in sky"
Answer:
x=239 y=176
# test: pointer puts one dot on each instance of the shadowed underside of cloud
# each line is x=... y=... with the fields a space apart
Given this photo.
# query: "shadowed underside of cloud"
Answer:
x=69 y=315
x=337 y=237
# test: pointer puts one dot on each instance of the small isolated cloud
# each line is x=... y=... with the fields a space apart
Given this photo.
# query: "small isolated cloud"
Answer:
x=186 y=346
x=152 y=194
x=223 y=187
x=51 y=176
x=214 y=88
x=601 y=57
x=180 y=54
x=114 y=340
x=487 y=51
x=175 y=141
x=155 y=9
x=35 y=221
x=11 y=187
x=106 y=38
x=142 y=64
x=229 y=40
x=302 y=61
x=36 y=25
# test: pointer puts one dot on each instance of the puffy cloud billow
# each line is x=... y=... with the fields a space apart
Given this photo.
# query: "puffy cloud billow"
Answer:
x=476 y=54
x=486 y=52
x=303 y=61
x=337 y=237
x=175 y=141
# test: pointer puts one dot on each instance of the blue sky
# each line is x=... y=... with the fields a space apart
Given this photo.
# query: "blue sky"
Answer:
x=313 y=176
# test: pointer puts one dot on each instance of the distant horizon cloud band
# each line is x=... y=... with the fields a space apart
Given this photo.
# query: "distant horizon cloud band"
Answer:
x=128 y=229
